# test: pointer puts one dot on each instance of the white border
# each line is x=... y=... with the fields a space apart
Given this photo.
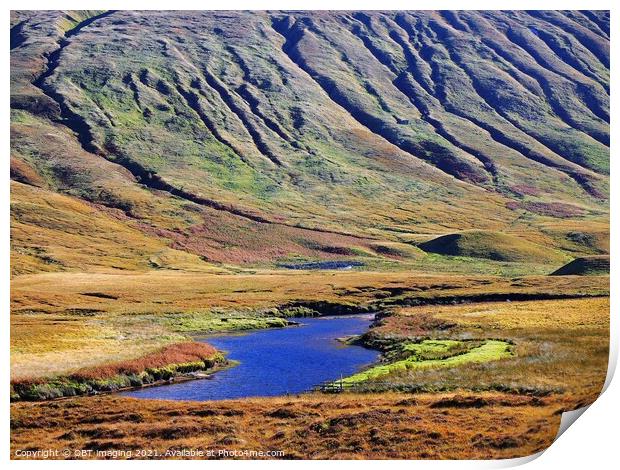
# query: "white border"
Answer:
x=591 y=443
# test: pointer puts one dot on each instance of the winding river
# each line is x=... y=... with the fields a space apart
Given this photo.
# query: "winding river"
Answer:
x=277 y=361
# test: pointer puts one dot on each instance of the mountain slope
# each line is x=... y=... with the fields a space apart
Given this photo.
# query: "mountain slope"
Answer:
x=246 y=137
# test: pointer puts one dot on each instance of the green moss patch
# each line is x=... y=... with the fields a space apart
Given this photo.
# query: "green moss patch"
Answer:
x=221 y=321
x=437 y=353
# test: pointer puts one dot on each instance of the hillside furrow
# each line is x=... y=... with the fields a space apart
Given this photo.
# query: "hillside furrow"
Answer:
x=573 y=118
x=594 y=43
x=593 y=105
x=400 y=82
x=602 y=25
x=403 y=83
x=499 y=129
x=229 y=100
x=192 y=100
x=543 y=66
x=435 y=154
x=68 y=117
x=566 y=53
x=253 y=103
x=17 y=36
x=489 y=93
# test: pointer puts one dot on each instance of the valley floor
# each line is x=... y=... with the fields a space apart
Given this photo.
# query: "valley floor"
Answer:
x=556 y=329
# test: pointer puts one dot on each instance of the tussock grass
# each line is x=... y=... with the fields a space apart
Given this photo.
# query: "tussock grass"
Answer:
x=388 y=425
x=557 y=346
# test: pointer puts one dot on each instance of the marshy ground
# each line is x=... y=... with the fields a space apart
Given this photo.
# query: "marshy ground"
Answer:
x=504 y=407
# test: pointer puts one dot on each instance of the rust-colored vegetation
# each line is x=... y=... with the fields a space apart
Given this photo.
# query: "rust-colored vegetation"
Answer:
x=348 y=426
x=174 y=354
x=168 y=363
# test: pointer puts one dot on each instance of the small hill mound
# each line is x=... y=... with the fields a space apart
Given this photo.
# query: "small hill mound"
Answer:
x=491 y=245
x=397 y=250
x=586 y=266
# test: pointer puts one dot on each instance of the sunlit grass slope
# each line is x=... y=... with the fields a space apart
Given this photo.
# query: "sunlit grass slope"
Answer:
x=258 y=137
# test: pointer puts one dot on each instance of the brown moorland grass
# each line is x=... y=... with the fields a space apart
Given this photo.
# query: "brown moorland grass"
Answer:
x=159 y=291
x=560 y=362
x=100 y=318
x=349 y=426
x=48 y=345
x=560 y=346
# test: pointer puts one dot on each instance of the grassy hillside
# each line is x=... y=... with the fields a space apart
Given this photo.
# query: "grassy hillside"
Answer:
x=217 y=131
x=585 y=266
x=490 y=245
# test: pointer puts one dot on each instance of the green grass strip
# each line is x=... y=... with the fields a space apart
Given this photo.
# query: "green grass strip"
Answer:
x=490 y=350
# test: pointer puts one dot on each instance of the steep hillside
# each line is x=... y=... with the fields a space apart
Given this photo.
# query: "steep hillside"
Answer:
x=261 y=137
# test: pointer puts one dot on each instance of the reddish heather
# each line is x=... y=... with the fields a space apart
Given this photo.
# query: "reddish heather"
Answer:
x=552 y=209
x=174 y=354
x=526 y=190
x=227 y=238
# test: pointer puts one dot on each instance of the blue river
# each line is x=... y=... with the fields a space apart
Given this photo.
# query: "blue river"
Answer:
x=276 y=361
